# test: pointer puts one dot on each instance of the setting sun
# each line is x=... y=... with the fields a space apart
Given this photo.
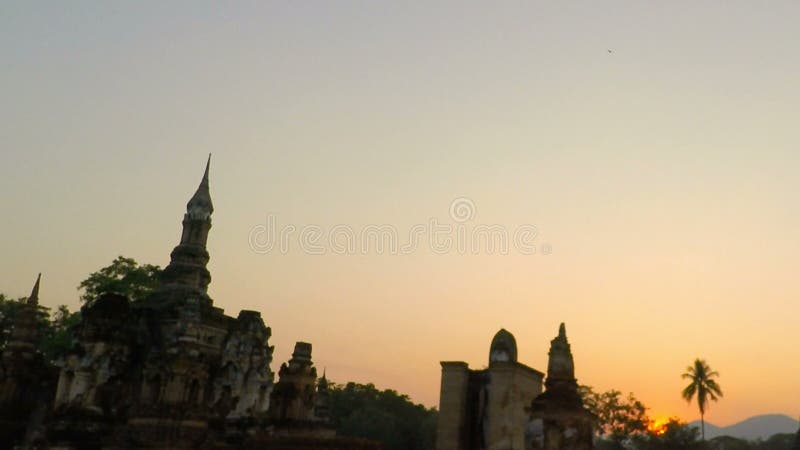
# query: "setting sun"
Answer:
x=658 y=426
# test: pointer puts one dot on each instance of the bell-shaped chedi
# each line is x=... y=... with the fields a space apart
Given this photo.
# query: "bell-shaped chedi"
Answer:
x=559 y=421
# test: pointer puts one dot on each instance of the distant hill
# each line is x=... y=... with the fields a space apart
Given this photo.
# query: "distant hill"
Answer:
x=753 y=428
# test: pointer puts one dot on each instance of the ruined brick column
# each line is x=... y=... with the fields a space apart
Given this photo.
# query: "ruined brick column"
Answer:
x=559 y=421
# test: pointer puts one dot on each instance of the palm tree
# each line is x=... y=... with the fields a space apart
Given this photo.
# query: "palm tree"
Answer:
x=704 y=386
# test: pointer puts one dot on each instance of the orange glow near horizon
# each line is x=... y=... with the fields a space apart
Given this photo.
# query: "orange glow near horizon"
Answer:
x=658 y=426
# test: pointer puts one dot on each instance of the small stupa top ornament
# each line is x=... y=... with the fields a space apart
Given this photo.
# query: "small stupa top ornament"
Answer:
x=561 y=365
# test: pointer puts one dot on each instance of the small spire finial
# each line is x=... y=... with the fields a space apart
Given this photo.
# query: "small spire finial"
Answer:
x=199 y=205
x=322 y=384
x=34 y=297
x=205 y=175
x=562 y=331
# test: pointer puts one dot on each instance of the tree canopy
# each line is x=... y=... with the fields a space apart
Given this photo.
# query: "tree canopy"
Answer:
x=674 y=435
x=362 y=410
x=123 y=276
x=54 y=337
x=618 y=417
x=9 y=310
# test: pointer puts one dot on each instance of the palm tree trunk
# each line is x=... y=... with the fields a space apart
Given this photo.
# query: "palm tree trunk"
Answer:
x=702 y=427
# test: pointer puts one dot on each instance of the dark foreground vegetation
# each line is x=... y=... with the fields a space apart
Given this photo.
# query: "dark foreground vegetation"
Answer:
x=678 y=436
x=362 y=410
x=623 y=424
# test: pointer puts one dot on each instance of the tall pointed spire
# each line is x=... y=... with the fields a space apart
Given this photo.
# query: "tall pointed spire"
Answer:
x=24 y=333
x=199 y=206
x=34 y=297
x=187 y=276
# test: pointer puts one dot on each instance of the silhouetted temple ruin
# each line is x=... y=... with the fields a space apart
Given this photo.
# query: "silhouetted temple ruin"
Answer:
x=558 y=418
x=171 y=371
x=503 y=407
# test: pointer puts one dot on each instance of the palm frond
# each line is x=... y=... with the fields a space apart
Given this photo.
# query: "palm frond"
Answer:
x=713 y=387
x=689 y=391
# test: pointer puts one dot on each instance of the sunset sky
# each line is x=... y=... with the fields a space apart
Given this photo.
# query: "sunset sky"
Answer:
x=654 y=146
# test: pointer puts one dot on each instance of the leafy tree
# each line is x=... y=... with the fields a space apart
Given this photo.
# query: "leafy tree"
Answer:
x=618 y=417
x=675 y=435
x=54 y=337
x=702 y=385
x=731 y=443
x=123 y=276
x=362 y=410
x=59 y=337
x=9 y=310
x=781 y=441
